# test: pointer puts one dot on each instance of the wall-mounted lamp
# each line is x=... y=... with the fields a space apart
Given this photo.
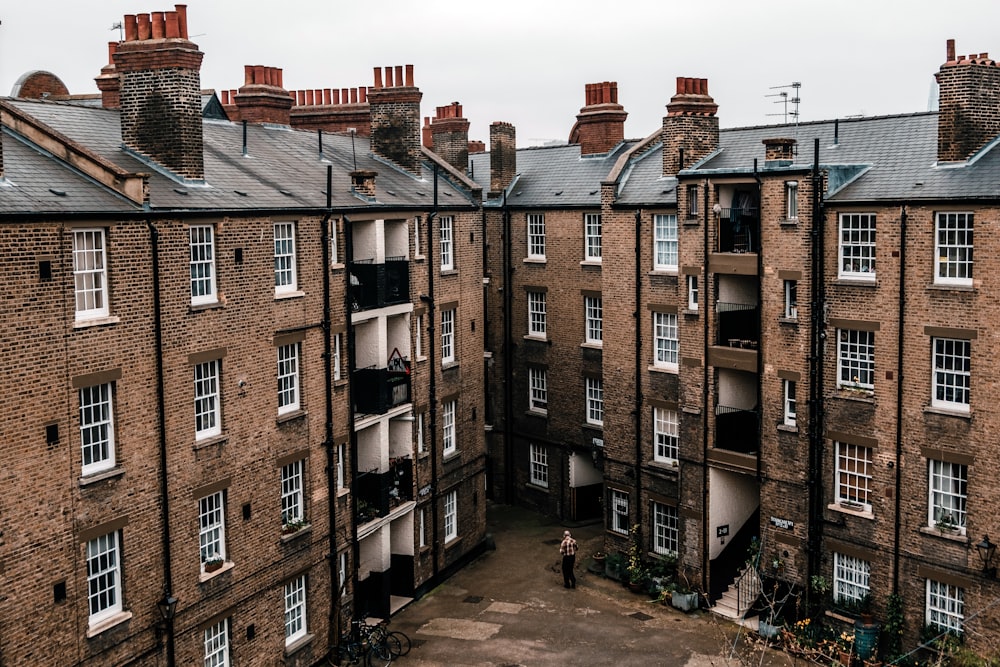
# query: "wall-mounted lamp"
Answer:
x=987 y=550
x=717 y=209
x=167 y=607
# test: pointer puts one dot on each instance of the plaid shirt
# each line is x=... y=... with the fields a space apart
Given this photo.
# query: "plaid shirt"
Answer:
x=568 y=547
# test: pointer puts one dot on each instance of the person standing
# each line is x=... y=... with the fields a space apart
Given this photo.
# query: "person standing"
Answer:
x=568 y=550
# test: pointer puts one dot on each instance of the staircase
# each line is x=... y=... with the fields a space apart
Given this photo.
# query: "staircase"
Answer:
x=738 y=597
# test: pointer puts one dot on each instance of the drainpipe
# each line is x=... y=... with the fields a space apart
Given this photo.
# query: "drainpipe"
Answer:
x=705 y=564
x=352 y=436
x=161 y=409
x=433 y=342
x=508 y=361
x=817 y=346
x=899 y=396
x=760 y=348
x=637 y=413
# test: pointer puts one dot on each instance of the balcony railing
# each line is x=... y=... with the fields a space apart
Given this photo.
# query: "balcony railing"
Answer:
x=739 y=325
x=376 y=390
x=736 y=429
x=377 y=493
x=377 y=285
x=739 y=230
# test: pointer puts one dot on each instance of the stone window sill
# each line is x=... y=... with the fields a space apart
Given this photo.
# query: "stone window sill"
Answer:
x=859 y=512
x=108 y=623
x=97 y=477
x=96 y=322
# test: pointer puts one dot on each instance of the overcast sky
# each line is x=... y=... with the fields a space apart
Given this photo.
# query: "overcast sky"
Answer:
x=526 y=62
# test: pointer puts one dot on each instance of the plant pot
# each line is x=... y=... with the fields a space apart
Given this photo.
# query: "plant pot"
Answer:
x=684 y=601
x=844 y=658
x=635 y=586
x=213 y=566
x=765 y=629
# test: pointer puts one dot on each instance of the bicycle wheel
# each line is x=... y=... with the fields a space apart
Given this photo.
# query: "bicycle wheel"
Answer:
x=378 y=655
x=397 y=638
x=394 y=645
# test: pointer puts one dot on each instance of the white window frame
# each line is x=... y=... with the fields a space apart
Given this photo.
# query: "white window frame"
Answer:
x=447 y=242
x=619 y=511
x=420 y=432
x=665 y=243
x=416 y=238
x=334 y=246
x=285 y=271
x=788 y=402
x=90 y=274
x=945 y=606
x=537 y=324
x=593 y=313
x=856 y=249
x=851 y=578
x=791 y=200
x=422 y=528
x=853 y=475
x=539 y=460
x=418 y=338
x=293 y=498
x=212 y=526
x=666 y=529
x=289 y=380
x=951 y=375
x=953 y=248
x=450 y=516
x=338 y=373
x=791 y=290
x=202 y=264
x=295 y=609
x=448 y=318
x=595 y=401
x=342 y=570
x=592 y=237
x=216 y=641
x=666 y=342
x=856 y=359
x=449 y=439
x=536 y=235
x=948 y=494
x=692 y=201
x=104 y=577
x=207 y=399
x=666 y=435
x=97 y=428
x=692 y=292
x=341 y=465
x=538 y=390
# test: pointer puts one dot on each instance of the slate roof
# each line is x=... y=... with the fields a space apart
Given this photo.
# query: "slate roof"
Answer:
x=282 y=169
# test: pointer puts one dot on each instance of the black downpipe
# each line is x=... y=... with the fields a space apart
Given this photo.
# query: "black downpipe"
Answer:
x=637 y=315
x=706 y=564
x=899 y=397
x=161 y=409
x=244 y=138
x=508 y=361
x=433 y=342
x=817 y=311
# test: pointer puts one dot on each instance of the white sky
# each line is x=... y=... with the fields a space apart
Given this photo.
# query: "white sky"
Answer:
x=527 y=61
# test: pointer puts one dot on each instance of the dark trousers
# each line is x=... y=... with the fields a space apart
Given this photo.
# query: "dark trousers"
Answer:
x=569 y=579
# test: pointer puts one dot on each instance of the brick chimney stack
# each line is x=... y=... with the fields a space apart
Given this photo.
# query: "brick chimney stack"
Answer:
x=503 y=157
x=968 y=104
x=363 y=182
x=108 y=82
x=394 y=104
x=160 y=93
x=779 y=152
x=600 y=125
x=262 y=99
x=690 y=125
x=450 y=136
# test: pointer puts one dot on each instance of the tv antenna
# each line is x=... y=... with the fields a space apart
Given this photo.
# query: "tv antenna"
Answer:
x=121 y=31
x=785 y=100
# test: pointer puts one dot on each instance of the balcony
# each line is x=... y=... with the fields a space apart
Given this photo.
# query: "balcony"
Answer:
x=376 y=390
x=377 y=285
x=738 y=325
x=738 y=230
x=737 y=429
x=377 y=493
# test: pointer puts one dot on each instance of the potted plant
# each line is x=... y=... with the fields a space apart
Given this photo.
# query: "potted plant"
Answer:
x=293 y=526
x=613 y=565
x=683 y=596
x=214 y=562
x=599 y=558
x=946 y=523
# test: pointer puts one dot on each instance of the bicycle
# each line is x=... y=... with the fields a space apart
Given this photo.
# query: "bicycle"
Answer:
x=363 y=645
x=398 y=642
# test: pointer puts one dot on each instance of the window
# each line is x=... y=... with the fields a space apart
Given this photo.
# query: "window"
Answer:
x=342 y=570
x=856 y=359
x=665 y=533
x=288 y=378
x=665 y=340
x=953 y=249
x=619 y=512
x=850 y=579
x=97 y=428
x=538 y=389
x=791 y=300
x=285 y=280
x=341 y=464
x=948 y=494
x=536 y=235
x=292 y=492
x=857 y=246
x=216 y=640
x=334 y=247
x=592 y=233
x=854 y=475
x=212 y=527
x=952 y=361
x=447 y=243
x=448 y=336
x=594 y=315
x=202 y=264
x=337 y=373
x=539 y=465
x=450 y=516
x=692 y=197
x=418 y=338
x=104 y=577
x=448 y=428
x=595 y=401
x=536 y=314
x=788 y=418
x=416 y=238
x=692 y=285
x=422 y=528
x=665 y=242
x=945 y=606
x=791 y=200
x=90 y=274
x=665 y=429
x=207 y=405
x=295 y=609
x=420 y=433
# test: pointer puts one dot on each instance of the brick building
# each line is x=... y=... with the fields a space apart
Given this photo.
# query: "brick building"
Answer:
x=243 y=370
